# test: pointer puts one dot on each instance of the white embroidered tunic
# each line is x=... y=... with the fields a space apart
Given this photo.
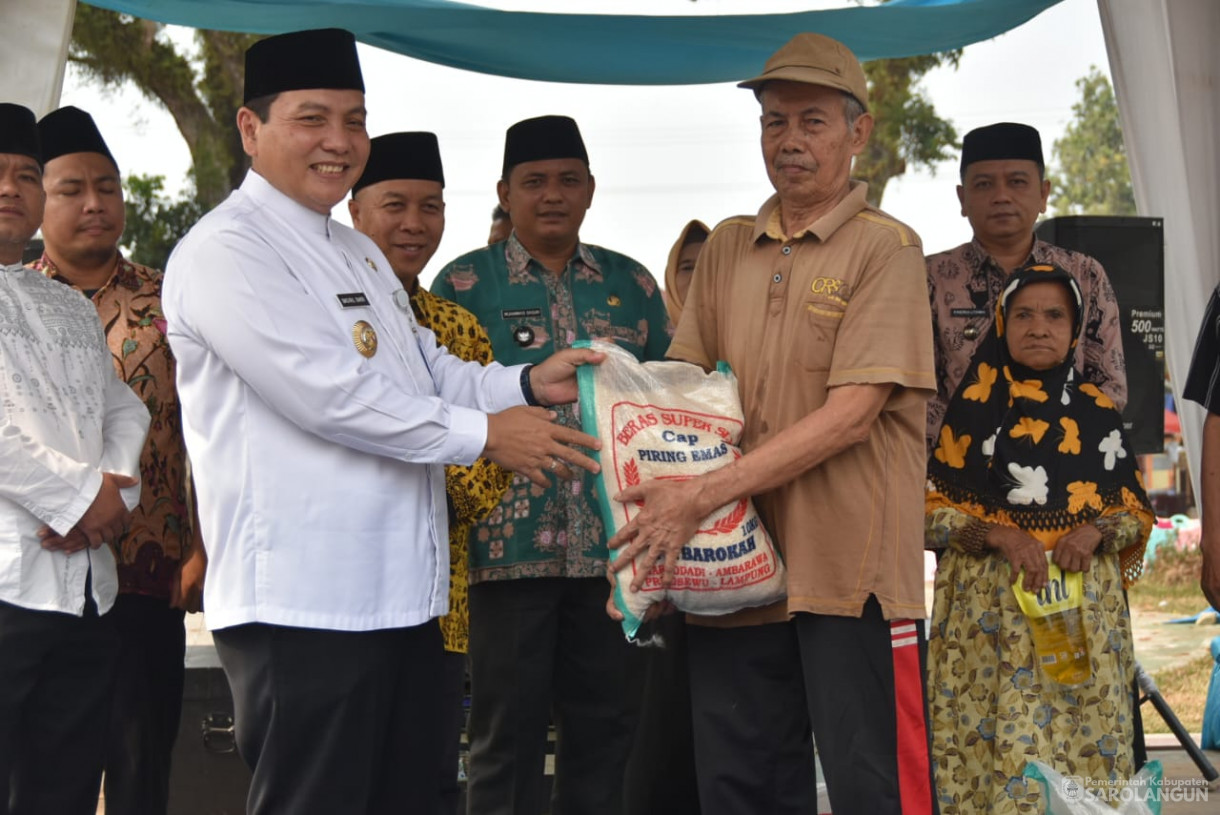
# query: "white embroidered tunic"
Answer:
x=65 y=418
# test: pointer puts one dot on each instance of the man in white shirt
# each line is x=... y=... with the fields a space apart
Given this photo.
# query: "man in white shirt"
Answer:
x=70 y=440
x=318 y=415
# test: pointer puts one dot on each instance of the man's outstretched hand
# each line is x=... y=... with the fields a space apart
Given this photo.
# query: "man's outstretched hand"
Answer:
x=526 y=440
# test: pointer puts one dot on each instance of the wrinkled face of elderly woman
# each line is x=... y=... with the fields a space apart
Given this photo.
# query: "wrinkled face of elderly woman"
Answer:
x=1039 y=325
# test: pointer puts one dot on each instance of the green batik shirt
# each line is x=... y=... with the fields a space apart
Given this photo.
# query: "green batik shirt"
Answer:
x=529 y=314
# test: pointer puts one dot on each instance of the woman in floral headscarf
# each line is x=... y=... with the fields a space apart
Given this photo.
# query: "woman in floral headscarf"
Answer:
x=1031 y=462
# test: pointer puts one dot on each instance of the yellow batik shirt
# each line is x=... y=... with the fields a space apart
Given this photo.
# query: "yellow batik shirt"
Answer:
x=474 y=491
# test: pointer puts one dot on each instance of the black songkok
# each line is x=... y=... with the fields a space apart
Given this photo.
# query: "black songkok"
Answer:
x=303 y=60
x=543 y=138
x=1006 y=140
x=402 y=155
x=19 y=131
x=71 y=130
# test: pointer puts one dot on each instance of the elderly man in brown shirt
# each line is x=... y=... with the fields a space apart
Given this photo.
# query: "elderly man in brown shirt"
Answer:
x=1003 y=191
x=817 y=303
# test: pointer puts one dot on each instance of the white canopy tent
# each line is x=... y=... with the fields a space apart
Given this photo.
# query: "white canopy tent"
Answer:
x=34 y=44
x=1166 y=71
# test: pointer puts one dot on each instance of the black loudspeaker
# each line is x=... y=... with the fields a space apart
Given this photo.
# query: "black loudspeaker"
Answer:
x=207 y=776
x=1132 y=250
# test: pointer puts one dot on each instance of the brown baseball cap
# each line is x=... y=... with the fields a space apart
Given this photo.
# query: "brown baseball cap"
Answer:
x=817 y=60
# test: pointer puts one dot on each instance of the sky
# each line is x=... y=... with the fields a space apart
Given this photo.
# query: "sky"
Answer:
x=661 y=155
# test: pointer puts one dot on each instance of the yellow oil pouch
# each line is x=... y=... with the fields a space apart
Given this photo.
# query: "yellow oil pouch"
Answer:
x=1061 y=648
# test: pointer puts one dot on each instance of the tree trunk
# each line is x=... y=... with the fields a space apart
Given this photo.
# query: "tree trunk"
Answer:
x=115 y=48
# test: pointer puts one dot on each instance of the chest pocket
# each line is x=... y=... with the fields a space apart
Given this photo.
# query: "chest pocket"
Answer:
x=818 y=326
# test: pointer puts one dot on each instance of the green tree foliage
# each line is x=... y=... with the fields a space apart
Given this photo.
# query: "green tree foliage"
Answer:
x=907 y=130
x=155 y=223
x=201 y=90
x=1090 y=174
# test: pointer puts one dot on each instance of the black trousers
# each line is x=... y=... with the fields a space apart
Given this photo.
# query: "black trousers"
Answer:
x=857 y=683
x=661 y=771
x=337 y=721
x=453 y=712
x=56 y=676
x=537 y=646
x=147 y=704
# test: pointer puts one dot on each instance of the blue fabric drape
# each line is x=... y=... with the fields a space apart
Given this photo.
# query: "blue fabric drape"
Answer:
x=603 y=49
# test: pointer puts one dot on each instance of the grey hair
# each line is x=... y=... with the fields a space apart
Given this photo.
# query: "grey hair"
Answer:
x=853 y=109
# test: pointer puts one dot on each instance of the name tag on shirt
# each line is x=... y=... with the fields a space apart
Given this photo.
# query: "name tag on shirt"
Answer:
x=519 y=313
x=969 y=312
x=353 y=299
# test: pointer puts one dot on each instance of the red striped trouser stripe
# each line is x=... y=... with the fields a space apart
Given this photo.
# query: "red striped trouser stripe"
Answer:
x=914 y=770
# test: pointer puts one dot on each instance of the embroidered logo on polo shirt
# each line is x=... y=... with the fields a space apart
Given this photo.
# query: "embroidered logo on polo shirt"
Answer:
x=613 y=300
x=830 y=291
x=825 y=285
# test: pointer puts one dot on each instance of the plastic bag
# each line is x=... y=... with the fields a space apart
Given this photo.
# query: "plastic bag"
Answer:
x=671 y=420
x=1060 y=646
x=1210 y=738
x=1072 y=795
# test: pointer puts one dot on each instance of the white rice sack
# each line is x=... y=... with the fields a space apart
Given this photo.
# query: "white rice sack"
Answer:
x=671 y=420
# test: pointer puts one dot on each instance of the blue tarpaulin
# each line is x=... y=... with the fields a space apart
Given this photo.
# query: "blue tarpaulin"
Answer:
x=599 y=48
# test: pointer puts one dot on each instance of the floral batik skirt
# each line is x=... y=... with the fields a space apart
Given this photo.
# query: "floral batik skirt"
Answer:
x=991 y=710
